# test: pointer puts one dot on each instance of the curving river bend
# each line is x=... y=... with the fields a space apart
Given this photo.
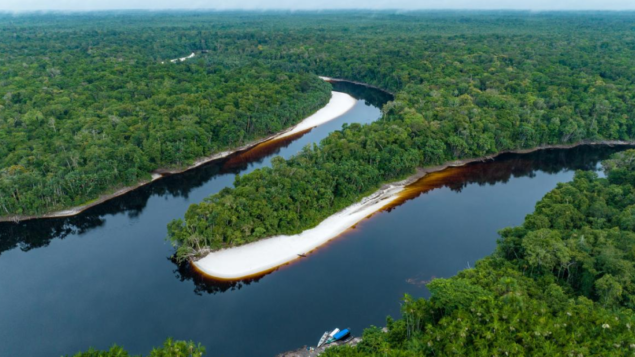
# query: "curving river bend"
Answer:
x=105 y=276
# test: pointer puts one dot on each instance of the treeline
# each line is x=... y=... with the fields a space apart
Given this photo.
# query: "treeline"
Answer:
x=457 y=96
x=77 y=122
x=170 y=348
x=561 y=284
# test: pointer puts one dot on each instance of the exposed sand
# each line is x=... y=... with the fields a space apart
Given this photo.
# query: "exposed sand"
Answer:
x=339 y=104
x=267 y=254
x=183 y=58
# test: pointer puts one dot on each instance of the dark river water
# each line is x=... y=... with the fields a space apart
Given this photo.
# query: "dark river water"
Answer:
x=105 y=276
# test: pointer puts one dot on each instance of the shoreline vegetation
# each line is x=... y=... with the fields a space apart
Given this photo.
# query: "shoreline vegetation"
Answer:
x=338 y=105
x=266 y=255
x=560 y=283
x=331 y=79
x=457 y=97
x=76 y=125
x=87 y=107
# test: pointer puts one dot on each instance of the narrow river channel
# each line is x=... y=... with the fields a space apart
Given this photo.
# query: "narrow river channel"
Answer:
x=105 y=276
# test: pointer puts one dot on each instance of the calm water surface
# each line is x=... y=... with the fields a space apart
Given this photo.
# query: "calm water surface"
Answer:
x=105 y=276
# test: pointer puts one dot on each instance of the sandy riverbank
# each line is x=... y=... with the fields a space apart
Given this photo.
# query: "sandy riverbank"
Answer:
x=338 y=105
x=266 y=255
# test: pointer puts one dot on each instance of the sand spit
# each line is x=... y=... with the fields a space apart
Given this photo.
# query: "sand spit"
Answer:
x=339 y=104
x=183 y=58
x=266 y=255
x=180 y=59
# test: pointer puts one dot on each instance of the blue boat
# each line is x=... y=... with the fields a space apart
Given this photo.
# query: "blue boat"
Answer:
x=342 y=334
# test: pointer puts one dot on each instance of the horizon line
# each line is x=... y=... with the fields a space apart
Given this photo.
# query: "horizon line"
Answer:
x=309 y=10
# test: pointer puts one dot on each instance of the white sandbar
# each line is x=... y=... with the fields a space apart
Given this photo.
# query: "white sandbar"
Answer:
x=339 y=104
x=267 y=254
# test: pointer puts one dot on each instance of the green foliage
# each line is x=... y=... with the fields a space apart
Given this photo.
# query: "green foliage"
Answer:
x=170 y=348
x=505 y=82
x=545 y=292
x=88 y=107
x=86 y=114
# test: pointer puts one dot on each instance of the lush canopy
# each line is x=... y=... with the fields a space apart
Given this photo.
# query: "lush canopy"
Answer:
x=561 y=284
x=87 y=113
x=466 y=86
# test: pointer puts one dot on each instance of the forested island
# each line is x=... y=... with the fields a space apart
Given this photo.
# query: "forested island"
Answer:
x=466 y=87
x=90 y=108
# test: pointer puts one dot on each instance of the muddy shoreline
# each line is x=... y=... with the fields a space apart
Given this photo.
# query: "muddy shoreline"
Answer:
x=421 y=172
x=160 y=173
x=388 y=192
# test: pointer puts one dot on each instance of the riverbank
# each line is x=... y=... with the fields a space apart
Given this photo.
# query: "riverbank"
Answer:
x=266 y=255
x=331 y=79
x=338 y=105
x=303 y=352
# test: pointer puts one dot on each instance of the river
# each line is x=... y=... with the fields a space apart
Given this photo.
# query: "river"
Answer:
x=105 y=276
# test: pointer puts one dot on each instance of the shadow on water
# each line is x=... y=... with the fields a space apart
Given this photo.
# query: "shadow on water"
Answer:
x=107 y=279
x=38 y=233
x=507 y=166
x=499 y=170
x=202 y=284
x=372 y=97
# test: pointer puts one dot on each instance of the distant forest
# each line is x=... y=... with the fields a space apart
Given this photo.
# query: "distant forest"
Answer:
x=466 y=85
x=86 y=110
x=88 y=106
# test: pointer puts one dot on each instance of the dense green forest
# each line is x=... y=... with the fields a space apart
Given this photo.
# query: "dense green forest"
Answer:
x=561 y=284
x=84 y=116
x=170 y=348
x=466 y=86
x=87 y=106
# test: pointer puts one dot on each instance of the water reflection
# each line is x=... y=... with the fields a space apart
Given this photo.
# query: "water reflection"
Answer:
x=506 y=166
x=371 y=97
x=108 y=281
x=203 y=284
x=490 y=172
x=38 y=233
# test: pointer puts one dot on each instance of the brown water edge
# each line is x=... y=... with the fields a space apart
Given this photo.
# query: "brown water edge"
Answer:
x=261 y=147
x=422 y=172
x=261 y=150
x=453 y=174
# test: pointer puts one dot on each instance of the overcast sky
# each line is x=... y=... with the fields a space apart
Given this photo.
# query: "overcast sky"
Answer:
x=18 y=5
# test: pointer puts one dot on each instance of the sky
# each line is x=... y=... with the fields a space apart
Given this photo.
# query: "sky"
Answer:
x=87 y=5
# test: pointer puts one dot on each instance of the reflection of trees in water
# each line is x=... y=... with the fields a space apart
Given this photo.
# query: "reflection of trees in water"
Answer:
x=499 y=170
x=504 y=167
x=550 y=161
x=371 y=96
x=202 y=284
x=37 y=233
